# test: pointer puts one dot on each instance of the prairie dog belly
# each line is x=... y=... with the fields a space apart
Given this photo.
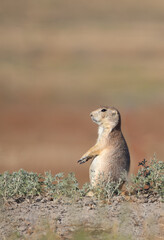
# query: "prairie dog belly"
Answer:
x=100 y=167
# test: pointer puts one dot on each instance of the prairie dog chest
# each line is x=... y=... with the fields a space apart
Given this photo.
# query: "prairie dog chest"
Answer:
x=100 y=133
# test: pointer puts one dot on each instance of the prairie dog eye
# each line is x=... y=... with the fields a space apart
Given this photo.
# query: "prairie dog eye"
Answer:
x=103 y=110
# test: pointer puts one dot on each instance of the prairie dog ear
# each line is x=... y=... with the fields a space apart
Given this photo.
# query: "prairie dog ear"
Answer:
x=114 y=112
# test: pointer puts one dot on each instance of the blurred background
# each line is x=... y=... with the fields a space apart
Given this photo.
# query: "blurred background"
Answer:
x=59 y=60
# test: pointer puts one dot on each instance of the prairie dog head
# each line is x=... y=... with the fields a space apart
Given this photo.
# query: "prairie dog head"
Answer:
x=107 y=117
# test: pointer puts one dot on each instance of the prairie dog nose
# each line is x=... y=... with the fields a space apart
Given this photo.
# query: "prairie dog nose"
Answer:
x=91 y=114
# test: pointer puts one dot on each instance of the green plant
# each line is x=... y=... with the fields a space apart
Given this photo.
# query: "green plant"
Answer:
x=86 y=188
x=61 y=186
x=107 y=189
x=150 y=177
x=20 y=184
x=50 y=182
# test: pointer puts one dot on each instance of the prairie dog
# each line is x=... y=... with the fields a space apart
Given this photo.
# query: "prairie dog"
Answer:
x=110 y=155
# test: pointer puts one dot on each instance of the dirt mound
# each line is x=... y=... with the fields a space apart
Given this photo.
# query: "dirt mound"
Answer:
x=133 y=219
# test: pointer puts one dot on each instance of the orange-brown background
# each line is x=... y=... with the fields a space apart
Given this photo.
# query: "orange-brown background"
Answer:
x=59 y=60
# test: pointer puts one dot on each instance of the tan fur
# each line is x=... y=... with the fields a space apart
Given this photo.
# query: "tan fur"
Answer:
x=110 y=156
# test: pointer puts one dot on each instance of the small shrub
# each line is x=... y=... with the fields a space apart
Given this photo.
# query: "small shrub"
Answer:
x=150 y=178
x=20 y=184
x=86 y=188
x=107 y=189
x=61 y=186
x=50 y=182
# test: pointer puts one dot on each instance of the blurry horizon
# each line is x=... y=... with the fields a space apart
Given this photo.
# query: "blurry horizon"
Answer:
x=59 y=60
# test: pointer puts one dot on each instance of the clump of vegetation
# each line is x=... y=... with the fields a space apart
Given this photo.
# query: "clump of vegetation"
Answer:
x=59 y=185
x=107 y=189
x=24 y=184
x=20 y=184
x=149 y=179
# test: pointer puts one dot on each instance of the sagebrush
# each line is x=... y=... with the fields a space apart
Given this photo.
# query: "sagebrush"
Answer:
x=149 y=179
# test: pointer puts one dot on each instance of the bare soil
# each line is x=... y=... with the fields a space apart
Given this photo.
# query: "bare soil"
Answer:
x=136 y=218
